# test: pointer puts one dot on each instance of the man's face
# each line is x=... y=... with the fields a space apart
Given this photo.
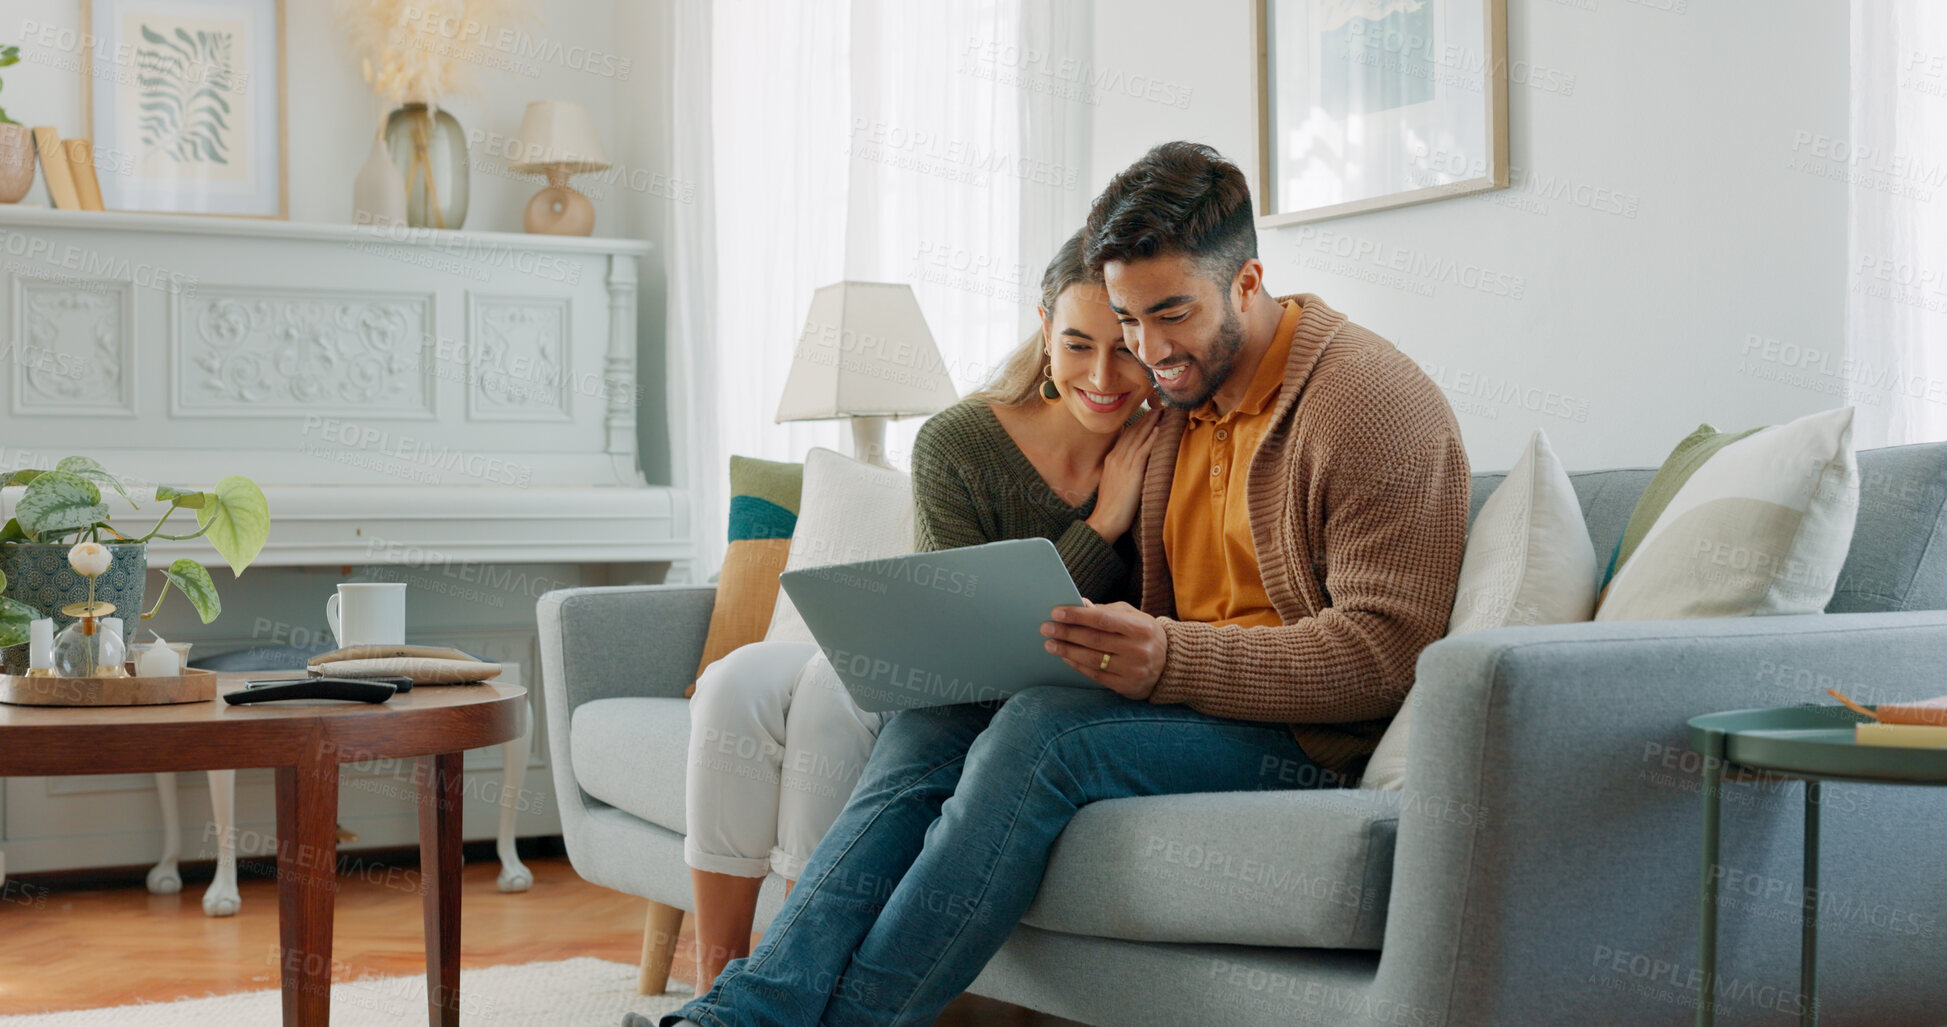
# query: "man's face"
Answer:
x=1182 y=325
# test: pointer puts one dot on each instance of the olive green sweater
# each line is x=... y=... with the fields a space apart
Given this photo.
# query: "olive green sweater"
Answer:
x=973 y=485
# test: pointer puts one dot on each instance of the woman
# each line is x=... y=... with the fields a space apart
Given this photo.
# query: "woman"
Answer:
x=1050 y=449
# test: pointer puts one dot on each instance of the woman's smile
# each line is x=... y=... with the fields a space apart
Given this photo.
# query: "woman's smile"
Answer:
x=1101 y=402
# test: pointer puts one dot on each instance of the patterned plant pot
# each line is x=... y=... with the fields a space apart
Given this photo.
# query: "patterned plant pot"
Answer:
x=38 y=575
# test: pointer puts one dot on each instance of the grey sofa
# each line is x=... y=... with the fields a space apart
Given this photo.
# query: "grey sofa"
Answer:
x=1541 y=866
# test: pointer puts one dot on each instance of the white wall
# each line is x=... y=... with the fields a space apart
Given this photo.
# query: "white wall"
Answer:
x=568 y=53
x=1638 y=325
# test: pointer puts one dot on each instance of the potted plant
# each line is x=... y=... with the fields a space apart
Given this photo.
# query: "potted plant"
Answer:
x=62 y=506
x=16 y=145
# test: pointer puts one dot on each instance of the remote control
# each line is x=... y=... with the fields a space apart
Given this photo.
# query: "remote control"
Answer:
x=311 y=688
x=399 y=682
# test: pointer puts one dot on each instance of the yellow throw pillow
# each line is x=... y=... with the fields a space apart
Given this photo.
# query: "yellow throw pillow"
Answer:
x=746 y=598
x=764 y=498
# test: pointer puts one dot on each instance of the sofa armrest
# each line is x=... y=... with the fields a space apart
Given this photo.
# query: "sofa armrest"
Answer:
x=607 y=643
x=1550 y=832
x=626 y=641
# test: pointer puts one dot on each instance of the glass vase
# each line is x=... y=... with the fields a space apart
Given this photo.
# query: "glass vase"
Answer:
x=429 y=149
x=90 y=648
x=38 y=574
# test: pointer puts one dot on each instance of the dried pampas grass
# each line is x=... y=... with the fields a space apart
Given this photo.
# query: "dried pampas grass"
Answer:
x=417 y=51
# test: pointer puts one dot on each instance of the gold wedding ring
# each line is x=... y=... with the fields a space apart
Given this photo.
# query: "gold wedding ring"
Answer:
x=1105 y=662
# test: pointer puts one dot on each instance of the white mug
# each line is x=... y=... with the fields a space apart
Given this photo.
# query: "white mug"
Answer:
x=368 y=613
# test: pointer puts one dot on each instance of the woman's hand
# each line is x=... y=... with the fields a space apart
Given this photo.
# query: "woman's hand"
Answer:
x=1122 y=477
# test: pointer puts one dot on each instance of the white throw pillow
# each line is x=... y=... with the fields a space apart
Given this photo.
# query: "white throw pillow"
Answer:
x=850 y=511
x=1760 y=528
x=1529 y=561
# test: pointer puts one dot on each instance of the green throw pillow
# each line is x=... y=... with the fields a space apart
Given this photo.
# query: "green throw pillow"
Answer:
x=1752 y=524
x=1696 y=448
x=763 y=499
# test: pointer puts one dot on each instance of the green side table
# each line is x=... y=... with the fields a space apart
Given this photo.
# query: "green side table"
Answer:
x=1807 y=743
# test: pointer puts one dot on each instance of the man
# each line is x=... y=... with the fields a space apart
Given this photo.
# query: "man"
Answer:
x=1304 y=514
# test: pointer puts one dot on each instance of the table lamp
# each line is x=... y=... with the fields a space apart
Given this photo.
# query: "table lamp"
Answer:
x=865 y=353
x=557 y=139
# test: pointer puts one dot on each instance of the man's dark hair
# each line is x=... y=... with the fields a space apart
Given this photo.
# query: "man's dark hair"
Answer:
x=1180 y=197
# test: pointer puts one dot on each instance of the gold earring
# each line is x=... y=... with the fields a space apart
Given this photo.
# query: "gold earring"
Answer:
x=1049 y=391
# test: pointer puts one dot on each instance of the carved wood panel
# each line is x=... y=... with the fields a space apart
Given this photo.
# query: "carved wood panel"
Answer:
x=238 y=352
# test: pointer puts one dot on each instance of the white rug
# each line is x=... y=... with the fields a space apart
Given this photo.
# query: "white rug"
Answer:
x=582 y=992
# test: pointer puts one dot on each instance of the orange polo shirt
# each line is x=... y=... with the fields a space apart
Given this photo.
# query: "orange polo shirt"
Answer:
x=1207 y=526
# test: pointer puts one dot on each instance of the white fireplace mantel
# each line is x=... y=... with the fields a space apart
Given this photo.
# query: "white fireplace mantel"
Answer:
x=456 y=395
x=429 y=406
x=314 y=526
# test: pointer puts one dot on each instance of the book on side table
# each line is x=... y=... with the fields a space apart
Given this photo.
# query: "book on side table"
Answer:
x=424 y=664
x=1917 y=725
x=1901 y=736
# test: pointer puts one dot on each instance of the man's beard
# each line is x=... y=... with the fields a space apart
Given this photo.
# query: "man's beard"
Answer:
x=1222 y=356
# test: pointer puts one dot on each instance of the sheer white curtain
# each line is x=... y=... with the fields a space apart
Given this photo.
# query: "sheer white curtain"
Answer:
x=930 y=143
x=1896 y=300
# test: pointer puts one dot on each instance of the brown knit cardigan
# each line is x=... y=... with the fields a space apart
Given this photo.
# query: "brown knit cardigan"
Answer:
x=1358 y=506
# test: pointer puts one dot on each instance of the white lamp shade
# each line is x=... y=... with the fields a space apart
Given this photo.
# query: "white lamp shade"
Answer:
x=865 y=351
x=556 y=132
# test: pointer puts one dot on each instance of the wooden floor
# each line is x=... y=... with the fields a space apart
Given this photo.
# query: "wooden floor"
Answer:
x=82 y=946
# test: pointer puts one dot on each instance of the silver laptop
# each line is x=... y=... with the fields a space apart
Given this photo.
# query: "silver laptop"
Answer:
x=933 y=629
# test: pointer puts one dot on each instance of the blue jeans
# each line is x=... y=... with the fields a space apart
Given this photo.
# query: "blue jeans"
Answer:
x=942 y=846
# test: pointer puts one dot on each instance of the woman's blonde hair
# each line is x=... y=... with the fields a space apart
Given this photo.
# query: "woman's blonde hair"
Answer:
x=1019 y=379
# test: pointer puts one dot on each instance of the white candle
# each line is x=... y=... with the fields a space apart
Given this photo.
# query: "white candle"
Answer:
x=40 y=635
x=157 y=661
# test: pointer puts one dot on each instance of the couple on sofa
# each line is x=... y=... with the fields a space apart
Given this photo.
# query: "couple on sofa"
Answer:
x=1290 y=520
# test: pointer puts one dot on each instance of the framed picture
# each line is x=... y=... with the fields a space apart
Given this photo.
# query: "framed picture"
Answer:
x=185 y=104
x=1367 y=104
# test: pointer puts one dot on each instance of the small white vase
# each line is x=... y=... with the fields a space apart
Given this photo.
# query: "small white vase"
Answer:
x=16 y=162
x=379 y=194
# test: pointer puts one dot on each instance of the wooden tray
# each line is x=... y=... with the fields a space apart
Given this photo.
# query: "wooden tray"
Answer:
x=192 y=686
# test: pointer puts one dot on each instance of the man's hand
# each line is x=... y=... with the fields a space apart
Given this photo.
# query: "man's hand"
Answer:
x=1133 y=640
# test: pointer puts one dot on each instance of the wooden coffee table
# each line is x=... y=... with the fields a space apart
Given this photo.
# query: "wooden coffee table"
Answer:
x=305 y=743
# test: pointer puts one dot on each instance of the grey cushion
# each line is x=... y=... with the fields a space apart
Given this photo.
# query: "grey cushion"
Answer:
x=1898 y=559
x=1305 y=869
x=1607 y=498
x=630 y=753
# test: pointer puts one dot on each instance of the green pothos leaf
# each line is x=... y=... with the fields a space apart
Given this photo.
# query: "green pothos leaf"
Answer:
x=195 y=582
x=14 y=618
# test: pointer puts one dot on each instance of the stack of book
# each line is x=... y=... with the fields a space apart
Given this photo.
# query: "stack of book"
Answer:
x=424 y=664
x=1918 y=725
x=68 y=168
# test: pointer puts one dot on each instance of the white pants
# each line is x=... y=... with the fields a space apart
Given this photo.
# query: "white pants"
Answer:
x=776 y=745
